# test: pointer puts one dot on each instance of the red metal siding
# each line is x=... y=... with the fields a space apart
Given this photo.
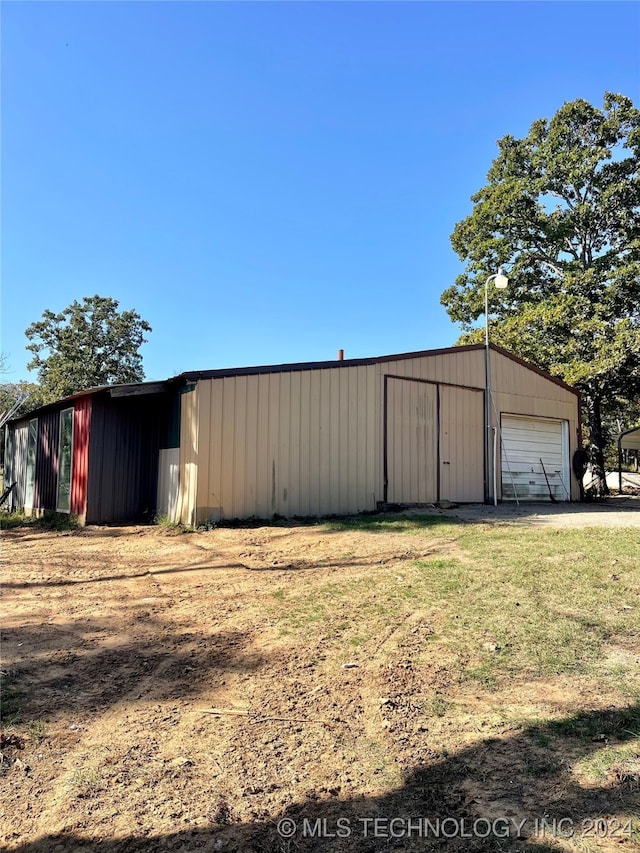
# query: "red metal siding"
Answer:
x=80 y=465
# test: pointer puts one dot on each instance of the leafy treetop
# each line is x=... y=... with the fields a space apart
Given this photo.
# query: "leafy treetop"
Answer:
x=88 y=344
x=561 y=209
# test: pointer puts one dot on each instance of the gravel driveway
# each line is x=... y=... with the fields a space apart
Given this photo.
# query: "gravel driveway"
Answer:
x=623 y=511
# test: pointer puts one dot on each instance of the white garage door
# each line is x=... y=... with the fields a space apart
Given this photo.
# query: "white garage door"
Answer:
x=532 y=447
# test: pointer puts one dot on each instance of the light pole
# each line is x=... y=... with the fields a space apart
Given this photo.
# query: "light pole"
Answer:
x=500 y=281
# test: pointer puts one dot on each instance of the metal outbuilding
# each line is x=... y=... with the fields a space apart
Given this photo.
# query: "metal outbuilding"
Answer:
x=349 y=436
x=310 y=439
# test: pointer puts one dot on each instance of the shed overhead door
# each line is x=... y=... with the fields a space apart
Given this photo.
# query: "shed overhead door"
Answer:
x=531 y=448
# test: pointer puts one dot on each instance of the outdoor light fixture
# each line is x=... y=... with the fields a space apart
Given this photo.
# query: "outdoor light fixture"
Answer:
x=500 y=281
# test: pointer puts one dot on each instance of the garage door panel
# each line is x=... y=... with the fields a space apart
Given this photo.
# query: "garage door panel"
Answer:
x=524 y=456
x=532 y=447
x=524 y=443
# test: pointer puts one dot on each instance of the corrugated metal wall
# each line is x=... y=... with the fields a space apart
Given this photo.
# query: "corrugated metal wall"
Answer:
x=434 y=442
x=168 y=482
x=15 y=462
x=311 y=441
x=47 y=460
x=17 y=470
x=412 y=441
x=520 y=391
x=461 y=445
x=464 y=368
x=631 y=441
x=124 y=444
x=187 y=478
x=8 y=461
x=47 y=450
x=80 y=466
x=285 y=443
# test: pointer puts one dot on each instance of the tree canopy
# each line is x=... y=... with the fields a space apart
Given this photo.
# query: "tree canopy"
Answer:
x=88 y=344
x=561 y=211
x=11 y=392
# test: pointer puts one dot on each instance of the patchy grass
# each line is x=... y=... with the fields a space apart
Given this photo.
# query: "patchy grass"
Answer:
x=9 y=698
x=37 y=731
x=507 y=603
x=48 y=521
x=13 y=519
x=385 y=665
x=613 y=763
x=546 y=601
x=389 y=523
x=87 y=782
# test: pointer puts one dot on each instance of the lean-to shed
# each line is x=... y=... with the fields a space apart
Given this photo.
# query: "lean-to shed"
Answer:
x=94 y=454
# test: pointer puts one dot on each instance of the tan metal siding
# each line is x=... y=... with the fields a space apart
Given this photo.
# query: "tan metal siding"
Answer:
x=520 y=391
x=287 y=444
x=412 y=441
x=461 y=445
x=510 y=376
x=631 y=441
x=310 y=442
x=186 y=503
x=457 y=368
x=434 y=442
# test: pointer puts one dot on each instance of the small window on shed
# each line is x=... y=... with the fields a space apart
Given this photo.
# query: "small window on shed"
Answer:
x=65 y=459
x=32 y=444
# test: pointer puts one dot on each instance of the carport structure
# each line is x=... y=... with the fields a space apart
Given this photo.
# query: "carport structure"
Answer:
x=627 y=440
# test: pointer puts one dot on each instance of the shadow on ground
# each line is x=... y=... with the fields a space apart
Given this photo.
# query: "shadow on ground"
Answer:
x=86 y=666
x=513 y=794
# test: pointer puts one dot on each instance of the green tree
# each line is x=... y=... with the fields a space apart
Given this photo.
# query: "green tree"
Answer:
x=561 y=210
x=90 y=343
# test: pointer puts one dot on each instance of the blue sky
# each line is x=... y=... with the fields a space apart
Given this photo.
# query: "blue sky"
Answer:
x=269 y=182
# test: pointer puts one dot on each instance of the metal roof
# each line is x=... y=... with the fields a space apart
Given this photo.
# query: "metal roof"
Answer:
x=195 y=375
x=124 y=390
x=137 y=388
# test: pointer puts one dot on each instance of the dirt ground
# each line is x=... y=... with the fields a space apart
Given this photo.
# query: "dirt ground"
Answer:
x=122 y=641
